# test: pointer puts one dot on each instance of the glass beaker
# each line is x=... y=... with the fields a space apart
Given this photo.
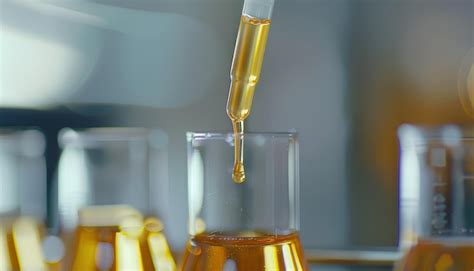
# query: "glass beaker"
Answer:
x=243 y=226
x=104 y=181
x=22 y=199
x=437 y=198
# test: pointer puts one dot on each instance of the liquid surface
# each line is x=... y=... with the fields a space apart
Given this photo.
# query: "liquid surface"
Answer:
x=245 y=73
x=439 y=256
x=231 y=252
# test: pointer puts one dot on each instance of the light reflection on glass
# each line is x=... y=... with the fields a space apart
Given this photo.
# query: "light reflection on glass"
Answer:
x=287 y=258
x=271 y=258
x=27 y=241
x=104 y=256
x=53 y=249
x=195 y=191
x=466 y=83
x=128 y=253
x=74 y=184
x=297 y=259
x=409 y=186
x=230 y=265
x=160 y=251
x=293 y=188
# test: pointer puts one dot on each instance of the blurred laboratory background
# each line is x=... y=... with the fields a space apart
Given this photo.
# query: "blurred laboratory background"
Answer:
x=344 y=74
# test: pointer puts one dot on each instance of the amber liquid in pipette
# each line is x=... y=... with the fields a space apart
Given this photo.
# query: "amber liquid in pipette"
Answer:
x=238 y=174
x=431 y=255
x=244 y=74
x=232 y=251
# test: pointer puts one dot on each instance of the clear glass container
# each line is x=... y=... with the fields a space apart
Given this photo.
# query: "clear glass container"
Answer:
x=243 y=226
x=437 y=198
x=22 y=199
x=108 y=191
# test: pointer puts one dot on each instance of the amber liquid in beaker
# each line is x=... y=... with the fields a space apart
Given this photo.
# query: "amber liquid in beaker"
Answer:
x=112 y=248
x=244 y=75
x=236 y=251
x=95 y=247
x=433 y=255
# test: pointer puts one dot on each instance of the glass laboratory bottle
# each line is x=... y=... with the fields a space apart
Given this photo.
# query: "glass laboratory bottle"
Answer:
x=243 y=226
x=437 y=198
x=106 y=205
x=22 y=199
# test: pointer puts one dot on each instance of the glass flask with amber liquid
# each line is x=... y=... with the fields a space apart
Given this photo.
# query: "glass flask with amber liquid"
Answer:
x=251 y=225
x=22 y=200
x=437 y=198
x=109 y=198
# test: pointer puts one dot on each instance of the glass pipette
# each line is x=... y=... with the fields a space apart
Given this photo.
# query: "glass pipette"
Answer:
x=245 y=72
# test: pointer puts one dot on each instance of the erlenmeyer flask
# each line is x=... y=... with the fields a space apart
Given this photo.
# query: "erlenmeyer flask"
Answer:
x=243 y=226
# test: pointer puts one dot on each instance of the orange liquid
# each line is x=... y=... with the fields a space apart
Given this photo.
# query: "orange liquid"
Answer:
x=246 y=65
x=91 y=242
x=232 y=252
x=439 y=256
x=12 y=252
x=97 y=249
x=245 y=74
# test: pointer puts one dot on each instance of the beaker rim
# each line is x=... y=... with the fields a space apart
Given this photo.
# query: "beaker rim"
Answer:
x=93 y=137
x=411 y=135
x=101 y=134
x=225 y=135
